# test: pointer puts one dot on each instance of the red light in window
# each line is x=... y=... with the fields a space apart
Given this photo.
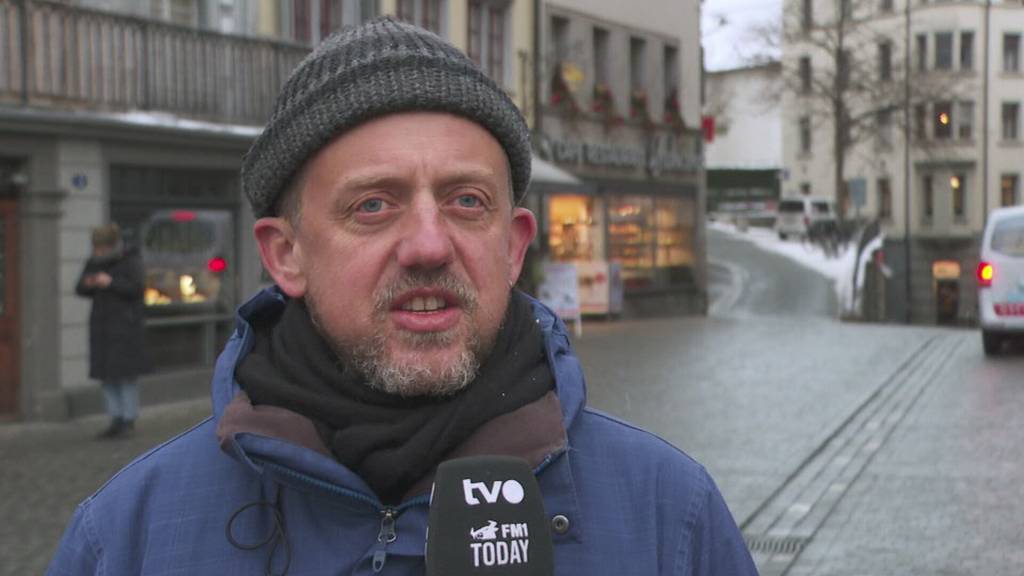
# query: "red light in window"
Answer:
x=183 y=215
x=986 y=272
x=217 y=264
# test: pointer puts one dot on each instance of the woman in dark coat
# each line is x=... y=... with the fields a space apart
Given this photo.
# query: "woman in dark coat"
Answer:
x=113 y=278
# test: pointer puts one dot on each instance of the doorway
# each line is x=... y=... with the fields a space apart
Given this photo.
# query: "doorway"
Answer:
x=10 y=354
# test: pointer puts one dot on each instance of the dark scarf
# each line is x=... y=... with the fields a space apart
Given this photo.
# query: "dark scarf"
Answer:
x=390 y=441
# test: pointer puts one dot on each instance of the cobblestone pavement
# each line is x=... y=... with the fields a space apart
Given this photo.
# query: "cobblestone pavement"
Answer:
x=48 y=468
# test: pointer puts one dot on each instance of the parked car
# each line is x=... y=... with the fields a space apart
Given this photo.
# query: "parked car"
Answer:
x=186 y=254
x=1001 y=278
x=800 y=216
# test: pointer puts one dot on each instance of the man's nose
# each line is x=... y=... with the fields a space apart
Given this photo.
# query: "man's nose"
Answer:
x=426 y=242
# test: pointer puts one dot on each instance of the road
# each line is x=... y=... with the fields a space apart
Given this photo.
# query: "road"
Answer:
x=767 y=284
x=841 y=448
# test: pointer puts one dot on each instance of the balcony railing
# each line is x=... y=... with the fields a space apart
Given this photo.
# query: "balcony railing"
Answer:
x=58 y=56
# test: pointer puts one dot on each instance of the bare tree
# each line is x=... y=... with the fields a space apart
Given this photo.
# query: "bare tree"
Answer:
x=844 y=61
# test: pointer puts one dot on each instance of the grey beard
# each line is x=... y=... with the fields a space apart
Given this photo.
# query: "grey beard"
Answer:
x=413 y=379
x=368 y=358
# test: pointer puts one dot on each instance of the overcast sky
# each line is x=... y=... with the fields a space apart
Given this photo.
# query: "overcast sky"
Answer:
x=726 y=29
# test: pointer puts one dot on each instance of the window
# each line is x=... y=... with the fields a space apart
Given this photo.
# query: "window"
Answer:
x=965 y=120
x=637 y=59
x=942 y=126
x=423 y=13
x=958 y=183
x=560 y=39
x=928 y=196
x=1008 y=189
x=883 y=121
x=1011 y=120
x=922 y=52
x=805 y=135
x=1011 y=52
x=805 y=74
x=944 y=51
x=887 y=6
x=1008 y=236
x=807 y=15
x=575 y=226
x=967 y=51
x=884 y=199
x=487 y=47
x=885 y=60
x=920 y=121
x=600 y=55
x=805 y=188
x=670 y=55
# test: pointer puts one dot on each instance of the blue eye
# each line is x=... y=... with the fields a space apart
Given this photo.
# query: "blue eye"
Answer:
x=468 y=201
x=372 y=205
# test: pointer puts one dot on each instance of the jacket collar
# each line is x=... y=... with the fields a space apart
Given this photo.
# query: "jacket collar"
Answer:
x=271 y=434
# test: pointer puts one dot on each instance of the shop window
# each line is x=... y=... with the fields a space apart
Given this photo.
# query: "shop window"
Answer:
x=183 y=224
x=673 y=231
x=631 y=238
x=575 y=228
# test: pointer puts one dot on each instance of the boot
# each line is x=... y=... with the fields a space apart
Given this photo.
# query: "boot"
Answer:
x=113 y=430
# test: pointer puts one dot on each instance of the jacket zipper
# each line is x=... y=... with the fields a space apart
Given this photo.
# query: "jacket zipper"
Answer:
x=389 y=515
x=386 y=536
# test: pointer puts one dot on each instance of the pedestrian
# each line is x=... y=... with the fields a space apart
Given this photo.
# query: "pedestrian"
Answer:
x=113 y=279
x=386 y=188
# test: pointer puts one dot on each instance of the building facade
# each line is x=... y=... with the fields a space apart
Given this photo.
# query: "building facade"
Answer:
x=619 y=108
x=940 y=144
x=743 y=158
x=139 y=113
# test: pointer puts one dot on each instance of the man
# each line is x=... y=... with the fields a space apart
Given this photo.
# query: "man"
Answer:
x=112 y=278
x=386 y=187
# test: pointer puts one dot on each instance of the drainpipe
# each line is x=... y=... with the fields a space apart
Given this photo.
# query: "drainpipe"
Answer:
x=908 y=186
x=23 y=22
x=984 y=121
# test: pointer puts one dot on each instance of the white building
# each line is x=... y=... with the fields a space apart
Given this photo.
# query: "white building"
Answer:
x=744 y=158
x=966 y=150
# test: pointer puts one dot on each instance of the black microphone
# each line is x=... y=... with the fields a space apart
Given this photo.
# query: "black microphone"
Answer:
x=487 y=517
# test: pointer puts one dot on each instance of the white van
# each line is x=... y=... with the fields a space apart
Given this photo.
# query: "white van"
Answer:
x=797 y=216
x=1001 y=278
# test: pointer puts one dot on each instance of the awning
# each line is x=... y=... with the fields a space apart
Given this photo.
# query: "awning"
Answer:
x=545 y=176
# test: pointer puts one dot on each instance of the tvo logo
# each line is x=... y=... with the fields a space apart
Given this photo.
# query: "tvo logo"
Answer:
x=510 y=490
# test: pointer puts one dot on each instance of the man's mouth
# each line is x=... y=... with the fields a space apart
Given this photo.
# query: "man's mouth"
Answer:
x=424 y=304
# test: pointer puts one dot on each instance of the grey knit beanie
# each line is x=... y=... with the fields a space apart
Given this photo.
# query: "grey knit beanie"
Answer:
x=381 y=67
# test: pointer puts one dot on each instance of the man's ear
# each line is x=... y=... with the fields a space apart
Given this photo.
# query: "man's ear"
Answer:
x=281 y=255
x=524 y=228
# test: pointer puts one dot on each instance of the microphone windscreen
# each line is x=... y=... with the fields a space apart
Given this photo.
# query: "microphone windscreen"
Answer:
x=487 y=517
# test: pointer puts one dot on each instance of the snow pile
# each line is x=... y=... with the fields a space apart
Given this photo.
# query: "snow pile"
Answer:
x=838 y=268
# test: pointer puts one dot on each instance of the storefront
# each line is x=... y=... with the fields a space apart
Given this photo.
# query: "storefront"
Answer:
x=183 y=221
x=635 y=208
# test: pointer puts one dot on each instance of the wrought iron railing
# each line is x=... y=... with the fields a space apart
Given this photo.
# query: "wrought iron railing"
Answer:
x=60 y=56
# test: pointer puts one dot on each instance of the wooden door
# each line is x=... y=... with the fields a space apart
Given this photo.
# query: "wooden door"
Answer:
x=9 y=333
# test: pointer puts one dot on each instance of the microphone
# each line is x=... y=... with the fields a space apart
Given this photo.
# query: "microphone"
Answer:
x=487 y=517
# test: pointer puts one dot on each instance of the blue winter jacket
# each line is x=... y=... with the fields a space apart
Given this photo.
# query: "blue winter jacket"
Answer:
x=238 y=495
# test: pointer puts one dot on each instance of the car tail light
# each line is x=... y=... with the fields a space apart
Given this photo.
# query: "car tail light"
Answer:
x=986 y=272
x=217 y=264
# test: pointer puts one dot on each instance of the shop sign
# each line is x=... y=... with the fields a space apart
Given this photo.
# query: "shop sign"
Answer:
x=619 y=156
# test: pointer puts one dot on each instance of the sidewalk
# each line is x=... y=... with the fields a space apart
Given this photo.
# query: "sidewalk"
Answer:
x=48 y=468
